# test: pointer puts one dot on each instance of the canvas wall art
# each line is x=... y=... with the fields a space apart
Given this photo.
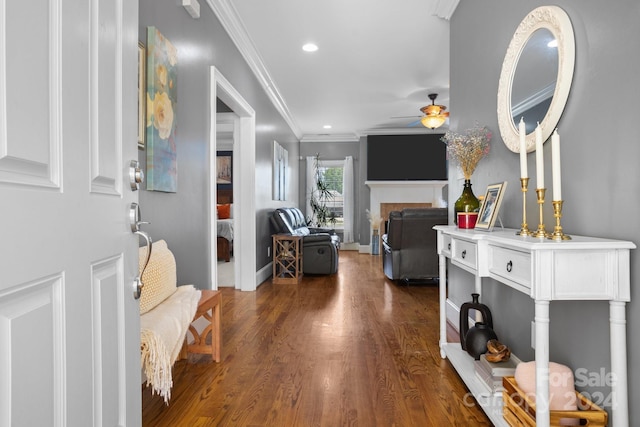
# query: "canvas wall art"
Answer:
x=162 y=73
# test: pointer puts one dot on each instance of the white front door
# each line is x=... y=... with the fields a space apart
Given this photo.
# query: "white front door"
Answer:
x=69 y=325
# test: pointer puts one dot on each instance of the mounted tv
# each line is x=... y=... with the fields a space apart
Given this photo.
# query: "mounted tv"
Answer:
x=406 y=157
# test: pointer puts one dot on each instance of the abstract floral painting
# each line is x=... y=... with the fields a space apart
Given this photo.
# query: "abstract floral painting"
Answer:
x=162 y=72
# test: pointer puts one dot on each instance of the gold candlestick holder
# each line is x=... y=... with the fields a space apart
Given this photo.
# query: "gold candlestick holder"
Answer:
x=558 y=234
x=541 y=232
x=524 y=230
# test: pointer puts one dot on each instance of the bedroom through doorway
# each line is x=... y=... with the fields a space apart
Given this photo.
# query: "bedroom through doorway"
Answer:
x=225 y=209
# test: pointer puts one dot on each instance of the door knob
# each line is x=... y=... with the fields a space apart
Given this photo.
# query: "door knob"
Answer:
x=136 y=175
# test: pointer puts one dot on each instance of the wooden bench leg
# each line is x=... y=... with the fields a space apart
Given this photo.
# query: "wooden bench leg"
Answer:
x=209 y=307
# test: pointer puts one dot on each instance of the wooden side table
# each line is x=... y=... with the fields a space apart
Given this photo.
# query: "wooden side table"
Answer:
x=209 y=308
x=287 y=259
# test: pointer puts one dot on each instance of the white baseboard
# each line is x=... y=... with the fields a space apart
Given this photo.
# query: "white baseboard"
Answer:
x=264 y=273
x=453 y=315
x=364 y=249
x=349 y=247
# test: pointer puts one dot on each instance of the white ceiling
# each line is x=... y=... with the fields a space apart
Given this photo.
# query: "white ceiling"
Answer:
x=377 y=61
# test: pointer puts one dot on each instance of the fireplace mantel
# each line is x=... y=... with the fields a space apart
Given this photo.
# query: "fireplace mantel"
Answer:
x=372 y=184
x=405 y=192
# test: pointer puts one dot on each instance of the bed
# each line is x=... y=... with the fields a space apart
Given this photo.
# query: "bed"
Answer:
x=225 y=228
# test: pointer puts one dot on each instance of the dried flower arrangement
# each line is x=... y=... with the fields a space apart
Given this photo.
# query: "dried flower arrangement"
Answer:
x=374 y=219
x=468 y=148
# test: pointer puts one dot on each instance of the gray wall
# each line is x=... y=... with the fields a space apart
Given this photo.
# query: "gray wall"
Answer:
x=181 y=218
x=600 y=152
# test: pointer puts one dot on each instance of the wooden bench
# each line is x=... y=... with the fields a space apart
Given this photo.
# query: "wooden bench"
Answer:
x=209 y=308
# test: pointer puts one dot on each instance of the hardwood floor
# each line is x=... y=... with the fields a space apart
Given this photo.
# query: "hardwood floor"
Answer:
x=352 y=349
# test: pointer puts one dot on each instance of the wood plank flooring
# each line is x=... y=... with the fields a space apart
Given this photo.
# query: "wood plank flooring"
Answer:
x=351 y=349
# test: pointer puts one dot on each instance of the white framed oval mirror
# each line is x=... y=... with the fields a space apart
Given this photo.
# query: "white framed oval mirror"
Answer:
x=536 y=75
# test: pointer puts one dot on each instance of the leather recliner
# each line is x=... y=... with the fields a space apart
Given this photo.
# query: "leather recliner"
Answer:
x=319 y=245
x=410 y=244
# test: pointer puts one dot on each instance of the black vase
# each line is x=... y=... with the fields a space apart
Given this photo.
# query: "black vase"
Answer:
x=476 y=339
x=464 y=317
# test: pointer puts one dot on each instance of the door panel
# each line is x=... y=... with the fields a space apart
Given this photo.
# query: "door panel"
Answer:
x=30 y=89
x=31 y=330
x=69 y=325
x=105 y=58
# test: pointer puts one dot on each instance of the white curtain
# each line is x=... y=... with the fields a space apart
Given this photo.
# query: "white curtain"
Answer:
x=311 y=184
x=347 y=194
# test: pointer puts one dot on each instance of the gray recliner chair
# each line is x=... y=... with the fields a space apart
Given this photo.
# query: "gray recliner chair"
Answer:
x=319 y=245
x=410 y=244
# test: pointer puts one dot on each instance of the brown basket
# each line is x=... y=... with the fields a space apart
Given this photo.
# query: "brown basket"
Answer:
x=520 y=411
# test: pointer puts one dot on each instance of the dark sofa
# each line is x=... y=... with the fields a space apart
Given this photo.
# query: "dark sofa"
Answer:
x=410 y=244
x=319 y=245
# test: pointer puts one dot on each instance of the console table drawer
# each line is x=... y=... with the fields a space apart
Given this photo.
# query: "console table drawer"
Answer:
x=515 y=266
x=464 y=253
x=446 y=245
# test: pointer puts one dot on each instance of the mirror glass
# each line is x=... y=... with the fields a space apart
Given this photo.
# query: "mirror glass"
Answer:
x=535 y=78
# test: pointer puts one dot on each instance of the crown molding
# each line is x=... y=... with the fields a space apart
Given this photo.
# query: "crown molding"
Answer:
x=418 y=130
x=444 y=8
x=338 y=137
x=230 y=20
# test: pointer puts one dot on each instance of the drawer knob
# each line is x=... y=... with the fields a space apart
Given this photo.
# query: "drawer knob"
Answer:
x=509 y=266
x=464 y=254
x=449 y=246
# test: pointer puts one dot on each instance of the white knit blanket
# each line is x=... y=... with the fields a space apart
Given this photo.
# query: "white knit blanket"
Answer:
x=162 y=333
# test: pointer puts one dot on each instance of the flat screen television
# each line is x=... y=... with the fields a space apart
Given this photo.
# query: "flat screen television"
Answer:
x=406 y=157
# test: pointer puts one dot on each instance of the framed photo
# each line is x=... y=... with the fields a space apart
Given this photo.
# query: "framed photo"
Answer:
x=280 y=169
x=490 y=206
x=142 y=99
x=224 y=167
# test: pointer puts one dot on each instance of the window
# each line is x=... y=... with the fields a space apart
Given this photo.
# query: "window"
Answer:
x=332 y=177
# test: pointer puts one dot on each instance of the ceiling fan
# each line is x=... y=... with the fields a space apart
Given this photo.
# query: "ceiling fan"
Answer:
x=434 y=115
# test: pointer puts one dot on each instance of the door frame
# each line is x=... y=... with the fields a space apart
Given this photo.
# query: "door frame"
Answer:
x=244 y=188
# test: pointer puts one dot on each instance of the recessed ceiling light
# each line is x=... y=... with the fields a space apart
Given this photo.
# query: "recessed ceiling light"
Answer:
x=553 y=43
x=327 y=126
x=310 y=47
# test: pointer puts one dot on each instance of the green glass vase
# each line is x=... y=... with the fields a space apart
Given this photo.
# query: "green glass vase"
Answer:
x=467 y=202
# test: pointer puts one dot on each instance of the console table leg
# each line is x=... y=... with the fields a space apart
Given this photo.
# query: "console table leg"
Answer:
x=442 y=287
x=542 y=363
x=618 y=328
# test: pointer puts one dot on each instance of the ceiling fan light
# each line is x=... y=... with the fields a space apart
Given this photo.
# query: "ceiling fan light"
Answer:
x=434 y=121
x=435 y=116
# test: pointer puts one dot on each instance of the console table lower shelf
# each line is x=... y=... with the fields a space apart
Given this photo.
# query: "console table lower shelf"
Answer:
x=491 y=403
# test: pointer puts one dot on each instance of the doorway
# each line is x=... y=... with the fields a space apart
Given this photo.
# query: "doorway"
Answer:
x=226 y=123
x=244 y=155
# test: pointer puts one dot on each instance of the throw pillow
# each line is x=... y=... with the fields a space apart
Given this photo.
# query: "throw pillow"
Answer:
x=159 y=277
x=224 y=211
x=562 y=394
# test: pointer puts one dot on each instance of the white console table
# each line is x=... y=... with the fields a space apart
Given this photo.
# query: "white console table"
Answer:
x=584 y=268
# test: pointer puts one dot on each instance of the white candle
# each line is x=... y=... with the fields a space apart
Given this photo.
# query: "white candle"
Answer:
x=539 y=158
x=523 y=148
x=555 y=165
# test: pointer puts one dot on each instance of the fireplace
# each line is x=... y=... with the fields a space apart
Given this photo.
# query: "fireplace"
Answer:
x=387 y=196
